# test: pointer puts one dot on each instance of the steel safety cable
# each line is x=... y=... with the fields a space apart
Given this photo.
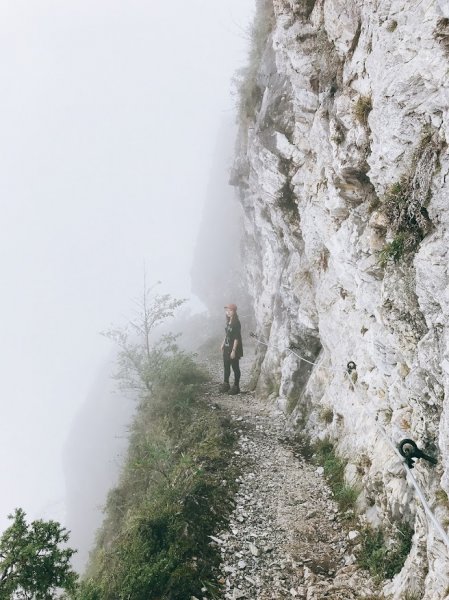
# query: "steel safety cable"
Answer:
x=410 y=475
x=384 y=434
x=253 y=335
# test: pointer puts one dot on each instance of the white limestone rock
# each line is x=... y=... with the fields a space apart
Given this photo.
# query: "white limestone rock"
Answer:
x=313 y=188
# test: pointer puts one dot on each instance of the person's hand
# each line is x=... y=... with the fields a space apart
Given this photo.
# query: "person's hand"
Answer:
x=222 y=347
x=233 y=354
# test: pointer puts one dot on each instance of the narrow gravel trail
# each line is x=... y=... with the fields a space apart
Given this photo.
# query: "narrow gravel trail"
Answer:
x=286 y=538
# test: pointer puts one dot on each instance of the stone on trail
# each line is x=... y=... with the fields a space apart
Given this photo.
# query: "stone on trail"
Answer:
x=254 y=549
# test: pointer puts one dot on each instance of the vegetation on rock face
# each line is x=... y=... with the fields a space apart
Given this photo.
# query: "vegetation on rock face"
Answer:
x=287 y=200
x=339 y=134
x=334 y=468
x=394 y=250
x=175 y=489
x=34 y=560
x=441 y=33
x=405 y=202
x=362 y=109
x=303 y=8
x=384 y=560
x=392 y=25
x=327 y=415
x=248 y=89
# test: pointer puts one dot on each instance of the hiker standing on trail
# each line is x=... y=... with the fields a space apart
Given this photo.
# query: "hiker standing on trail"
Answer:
x=232 y=349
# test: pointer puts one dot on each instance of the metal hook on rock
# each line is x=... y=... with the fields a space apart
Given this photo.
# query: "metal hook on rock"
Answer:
x=409 y=450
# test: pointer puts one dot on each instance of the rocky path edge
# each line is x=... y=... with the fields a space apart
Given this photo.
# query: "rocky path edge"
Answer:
x=285 y=537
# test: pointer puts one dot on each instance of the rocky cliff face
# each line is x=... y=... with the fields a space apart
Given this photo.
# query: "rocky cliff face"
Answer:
x=342 y=168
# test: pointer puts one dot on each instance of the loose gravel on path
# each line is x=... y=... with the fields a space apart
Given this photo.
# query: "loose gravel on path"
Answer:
x=285 y=537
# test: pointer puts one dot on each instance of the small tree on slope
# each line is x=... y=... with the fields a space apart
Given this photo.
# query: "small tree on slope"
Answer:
x=138 y=356
x=34 y=561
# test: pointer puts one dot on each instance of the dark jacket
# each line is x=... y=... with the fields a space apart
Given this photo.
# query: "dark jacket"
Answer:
x=233 y=332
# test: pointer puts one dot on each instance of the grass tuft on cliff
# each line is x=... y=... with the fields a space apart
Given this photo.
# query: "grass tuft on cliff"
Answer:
x=362 y=109
x=382 y=556
x=405 y=203
x=384 y=559
x=334 y=468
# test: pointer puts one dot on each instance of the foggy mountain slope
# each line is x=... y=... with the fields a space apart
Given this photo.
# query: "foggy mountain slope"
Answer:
x=98 y=438
x=214 y=500
x=217 y=267
x=342 y=170
x=175 y=489
x=92 y=459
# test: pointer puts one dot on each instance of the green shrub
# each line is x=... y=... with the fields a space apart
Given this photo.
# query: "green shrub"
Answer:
x=394 y=250
x=334 y=469
x=404 y=203
x=381 y=560
x=409 y=223
x=346 y=497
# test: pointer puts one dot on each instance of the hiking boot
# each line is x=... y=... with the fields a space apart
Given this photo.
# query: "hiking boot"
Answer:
x=234 y=390
x=224 y=387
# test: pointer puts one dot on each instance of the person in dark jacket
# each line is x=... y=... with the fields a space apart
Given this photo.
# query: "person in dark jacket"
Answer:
x=232 y=349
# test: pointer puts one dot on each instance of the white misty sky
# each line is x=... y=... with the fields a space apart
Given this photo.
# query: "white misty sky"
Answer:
x=109 y=112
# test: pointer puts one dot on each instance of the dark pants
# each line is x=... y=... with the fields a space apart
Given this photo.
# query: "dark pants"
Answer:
x=228 y=362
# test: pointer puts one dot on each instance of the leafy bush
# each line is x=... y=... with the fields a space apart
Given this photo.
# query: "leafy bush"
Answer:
x=392 y=26
x=35 y=559
x=383 y=560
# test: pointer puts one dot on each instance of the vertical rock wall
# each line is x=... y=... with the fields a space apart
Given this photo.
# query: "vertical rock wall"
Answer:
x=342 y=168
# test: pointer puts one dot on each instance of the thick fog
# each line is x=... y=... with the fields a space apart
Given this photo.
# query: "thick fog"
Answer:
x=110 y=112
